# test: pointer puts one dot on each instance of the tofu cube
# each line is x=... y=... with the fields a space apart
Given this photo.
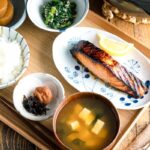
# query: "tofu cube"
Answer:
x=87 y=116
x=74 y=125
x=89 y=119
x=77 y=108
x=74 y=115
x=98 y=127
x=84 y=114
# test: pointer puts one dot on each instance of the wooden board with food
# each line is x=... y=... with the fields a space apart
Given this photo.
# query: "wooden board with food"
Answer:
x=77 y=56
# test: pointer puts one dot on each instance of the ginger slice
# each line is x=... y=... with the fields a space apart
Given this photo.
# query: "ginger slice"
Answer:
x=8 y=16
x=3 y=7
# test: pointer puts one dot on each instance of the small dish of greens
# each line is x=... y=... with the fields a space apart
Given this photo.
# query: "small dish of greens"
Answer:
x=57 y=15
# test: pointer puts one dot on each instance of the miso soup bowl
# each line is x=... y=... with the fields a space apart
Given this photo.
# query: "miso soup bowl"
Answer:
x=89 y=96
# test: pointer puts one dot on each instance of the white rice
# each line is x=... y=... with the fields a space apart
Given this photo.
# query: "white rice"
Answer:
x=11 y=60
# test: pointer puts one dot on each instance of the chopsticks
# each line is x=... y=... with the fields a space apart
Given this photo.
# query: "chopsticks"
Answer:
x=42 y=137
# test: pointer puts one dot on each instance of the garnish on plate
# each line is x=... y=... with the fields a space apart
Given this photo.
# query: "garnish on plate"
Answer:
x=34 y=106
x=43 y=94
x=37 y=103
x=114 y=47
x=59 y=14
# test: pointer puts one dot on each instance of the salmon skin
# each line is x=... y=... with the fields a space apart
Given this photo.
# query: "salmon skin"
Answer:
x=107 y=69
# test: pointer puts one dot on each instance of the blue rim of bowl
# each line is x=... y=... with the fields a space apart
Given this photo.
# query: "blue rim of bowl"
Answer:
x=26 y=59
x=59 y=30
x=21 y=20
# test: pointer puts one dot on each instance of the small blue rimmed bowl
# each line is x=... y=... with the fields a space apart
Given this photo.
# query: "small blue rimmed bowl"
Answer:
x=19 y=14
x=11 y=35
x=34 y=6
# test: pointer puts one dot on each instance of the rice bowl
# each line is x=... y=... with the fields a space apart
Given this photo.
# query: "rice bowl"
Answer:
x=14 y=56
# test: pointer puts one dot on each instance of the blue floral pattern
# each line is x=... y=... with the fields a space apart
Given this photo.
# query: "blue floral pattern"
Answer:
x=78 y=70
x=133 y=66
x=105 y=89
x=127 y=101
x=73 y=41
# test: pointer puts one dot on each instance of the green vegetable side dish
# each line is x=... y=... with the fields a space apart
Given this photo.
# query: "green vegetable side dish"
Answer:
x=59 y=14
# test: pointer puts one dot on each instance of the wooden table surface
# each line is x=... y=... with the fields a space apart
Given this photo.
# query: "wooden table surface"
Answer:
x=10 y=140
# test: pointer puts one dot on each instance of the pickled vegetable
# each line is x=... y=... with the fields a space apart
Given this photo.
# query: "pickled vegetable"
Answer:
x=33 y=105
x=8 y=16
x=3 y=7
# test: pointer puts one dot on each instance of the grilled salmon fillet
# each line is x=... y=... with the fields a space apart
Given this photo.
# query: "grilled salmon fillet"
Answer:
x=107 y=69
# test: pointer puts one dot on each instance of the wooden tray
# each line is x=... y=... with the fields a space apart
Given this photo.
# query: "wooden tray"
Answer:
x=40 y=43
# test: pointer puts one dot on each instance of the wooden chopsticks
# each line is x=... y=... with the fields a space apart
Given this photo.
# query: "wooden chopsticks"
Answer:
x=41 y=136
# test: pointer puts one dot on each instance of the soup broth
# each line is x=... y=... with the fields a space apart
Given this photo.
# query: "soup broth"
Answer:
x=86 y=124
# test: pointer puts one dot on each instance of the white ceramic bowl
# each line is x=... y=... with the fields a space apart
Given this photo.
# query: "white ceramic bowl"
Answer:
x=27 y=85
x=12 y=35
x=33 y=10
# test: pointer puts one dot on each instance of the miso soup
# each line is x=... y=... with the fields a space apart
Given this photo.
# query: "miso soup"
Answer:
x=86 y=123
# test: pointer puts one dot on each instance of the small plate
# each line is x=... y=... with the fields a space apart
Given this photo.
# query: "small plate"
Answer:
x=27 y=85
x=81 y=79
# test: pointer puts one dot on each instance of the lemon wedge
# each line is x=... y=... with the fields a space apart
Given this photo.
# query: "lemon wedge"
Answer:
x=114 y=47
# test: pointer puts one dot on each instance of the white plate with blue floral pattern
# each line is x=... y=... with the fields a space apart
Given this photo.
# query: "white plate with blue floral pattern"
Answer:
x=81 y=79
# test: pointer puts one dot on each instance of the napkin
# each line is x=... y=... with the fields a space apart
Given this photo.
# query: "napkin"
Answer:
x=142 y=142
